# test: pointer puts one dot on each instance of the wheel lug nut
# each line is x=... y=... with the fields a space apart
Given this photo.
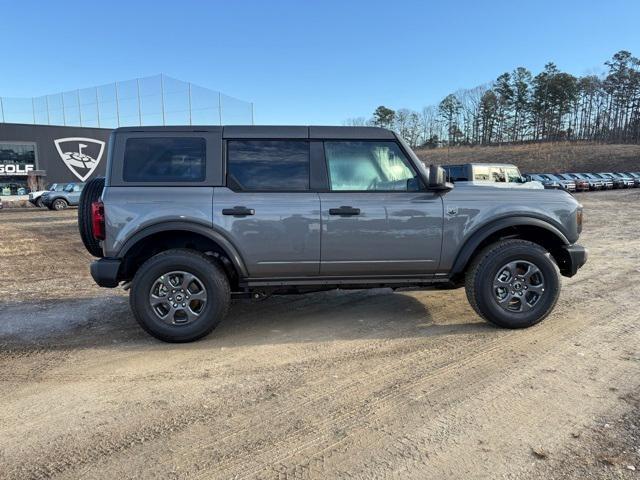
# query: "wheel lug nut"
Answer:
x=184 y=304
x=175 y=305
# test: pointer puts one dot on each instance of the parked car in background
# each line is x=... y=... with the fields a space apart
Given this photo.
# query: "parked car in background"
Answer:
x=607 y=183
x=628 y=179
x=489 y=174
x=35 y=198
x=635 y=176
x=593 y=184
x=617 y=181
x=582 y=185
x=546 y=182
x=568 y=185
x=69 y=196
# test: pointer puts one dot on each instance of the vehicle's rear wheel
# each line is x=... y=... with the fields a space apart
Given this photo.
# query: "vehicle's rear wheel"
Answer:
x=59 y=204
x=180 y=295
x=513 y=284
x=90 y=193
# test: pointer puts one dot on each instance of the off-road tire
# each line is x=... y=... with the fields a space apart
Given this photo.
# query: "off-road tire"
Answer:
x=206 y=269
x=39 y=203
x=484 y=268
x=90 y=193
x=59 y=204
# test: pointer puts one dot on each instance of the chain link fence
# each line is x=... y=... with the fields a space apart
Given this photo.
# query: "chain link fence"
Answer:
x=155 y=100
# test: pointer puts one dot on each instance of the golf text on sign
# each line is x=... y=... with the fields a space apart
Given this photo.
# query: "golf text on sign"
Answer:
x=13 y=169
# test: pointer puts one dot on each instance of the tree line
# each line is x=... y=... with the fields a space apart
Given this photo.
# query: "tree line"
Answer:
x=519 y=107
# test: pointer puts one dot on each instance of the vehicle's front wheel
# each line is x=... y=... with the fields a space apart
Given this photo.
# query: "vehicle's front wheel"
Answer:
x=180 y=295
x=59 y=204
x=513 y=284
x=39 y=203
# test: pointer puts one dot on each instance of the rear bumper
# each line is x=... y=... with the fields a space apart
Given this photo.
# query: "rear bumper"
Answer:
x=105 y=272
x=571 y=258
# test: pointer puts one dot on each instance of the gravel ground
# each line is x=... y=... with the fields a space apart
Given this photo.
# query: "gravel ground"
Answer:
x=356 y=384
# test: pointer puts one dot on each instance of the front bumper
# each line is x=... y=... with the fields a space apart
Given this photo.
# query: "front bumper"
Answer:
x=571 y=258
x=105 y=272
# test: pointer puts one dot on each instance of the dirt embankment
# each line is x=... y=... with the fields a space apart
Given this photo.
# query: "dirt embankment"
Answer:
x=357 y=384
x=544 y=157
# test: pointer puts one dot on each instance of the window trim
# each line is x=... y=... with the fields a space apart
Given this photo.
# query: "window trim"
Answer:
x=227 y=176
x=408 y=160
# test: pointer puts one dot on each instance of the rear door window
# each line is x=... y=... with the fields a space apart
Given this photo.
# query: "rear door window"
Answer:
x=165 y=159
x=268 y=165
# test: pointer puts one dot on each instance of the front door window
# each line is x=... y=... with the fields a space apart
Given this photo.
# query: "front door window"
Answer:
x=368 y=166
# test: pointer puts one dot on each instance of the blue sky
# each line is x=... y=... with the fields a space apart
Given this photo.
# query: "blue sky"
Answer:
x=306 y=62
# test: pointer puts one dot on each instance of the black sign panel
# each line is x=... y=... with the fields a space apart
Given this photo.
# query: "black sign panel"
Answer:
x=66 y=154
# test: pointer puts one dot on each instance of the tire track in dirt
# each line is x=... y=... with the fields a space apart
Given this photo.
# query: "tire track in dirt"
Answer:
x=483 y=358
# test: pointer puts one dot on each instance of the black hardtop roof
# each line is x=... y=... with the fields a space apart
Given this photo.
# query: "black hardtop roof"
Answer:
x=276 y=131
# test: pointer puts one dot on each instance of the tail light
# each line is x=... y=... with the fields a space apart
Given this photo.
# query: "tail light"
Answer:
x=97 y=220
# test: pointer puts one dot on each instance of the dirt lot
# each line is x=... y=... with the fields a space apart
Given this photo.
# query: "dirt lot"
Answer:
x=360 y=384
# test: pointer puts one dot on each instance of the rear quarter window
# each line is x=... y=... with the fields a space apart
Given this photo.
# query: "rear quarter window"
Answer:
x=164 y=159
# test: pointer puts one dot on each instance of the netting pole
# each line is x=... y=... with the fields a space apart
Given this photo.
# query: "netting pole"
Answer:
x=33 y=109
x=64 y=114
x=190 y=119
x=220 y=107
x=117 y=106
x=162 y=97
x=252 y=120
x=139 y=103
x=46 y=99
x=2 y=109
x=97 y=107
x=79 y=107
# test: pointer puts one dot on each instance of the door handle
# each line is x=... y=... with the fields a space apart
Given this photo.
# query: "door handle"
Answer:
x=238 y=211
x=344 y=211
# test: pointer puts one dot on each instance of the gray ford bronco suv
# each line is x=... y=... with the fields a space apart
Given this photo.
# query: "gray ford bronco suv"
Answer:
x=190 y=217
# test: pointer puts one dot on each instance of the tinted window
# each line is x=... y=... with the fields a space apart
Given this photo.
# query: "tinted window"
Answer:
x=457 y=173
x=166 y=159
x=368 y=166
x=280 y=165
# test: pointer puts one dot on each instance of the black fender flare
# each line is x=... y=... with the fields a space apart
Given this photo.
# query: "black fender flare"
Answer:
x=476 y=238
x=204 y=230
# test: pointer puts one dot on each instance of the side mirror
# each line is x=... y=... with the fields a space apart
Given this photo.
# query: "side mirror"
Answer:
x=438 y=178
